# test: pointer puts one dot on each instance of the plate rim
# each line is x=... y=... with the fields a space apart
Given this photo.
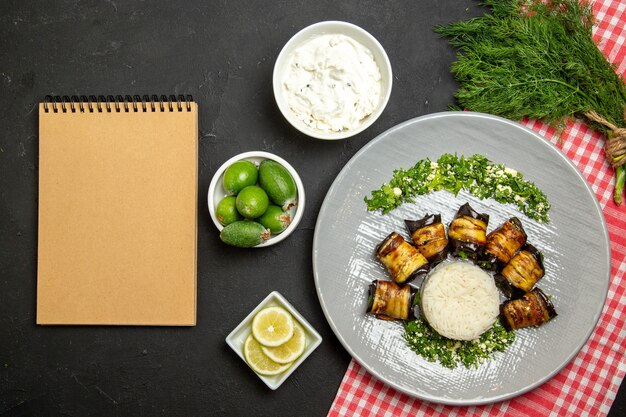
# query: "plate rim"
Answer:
x=481 y=400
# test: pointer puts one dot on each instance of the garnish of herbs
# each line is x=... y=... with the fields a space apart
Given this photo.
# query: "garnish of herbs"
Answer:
x=433 y=347
x=475 y=174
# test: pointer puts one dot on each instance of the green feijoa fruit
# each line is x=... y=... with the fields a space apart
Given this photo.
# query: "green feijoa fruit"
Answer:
x=239 y=175
x=278 y=183
x=252 y=202
x=244 y=234
x=226 y=210
x=275 y=219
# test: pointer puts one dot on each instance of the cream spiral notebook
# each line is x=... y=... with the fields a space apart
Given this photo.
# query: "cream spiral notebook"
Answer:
x=118 y=181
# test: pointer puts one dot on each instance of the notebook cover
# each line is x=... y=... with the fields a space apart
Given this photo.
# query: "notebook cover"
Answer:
x=117 y=217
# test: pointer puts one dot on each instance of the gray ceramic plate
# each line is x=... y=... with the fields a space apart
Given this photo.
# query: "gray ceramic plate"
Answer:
x=575 y=244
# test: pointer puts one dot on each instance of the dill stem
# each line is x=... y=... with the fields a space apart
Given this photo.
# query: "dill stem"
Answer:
x=551 y=80
x=620 y=179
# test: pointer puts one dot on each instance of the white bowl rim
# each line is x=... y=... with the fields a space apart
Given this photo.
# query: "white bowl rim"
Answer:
x=299 y=212
x=286 y=111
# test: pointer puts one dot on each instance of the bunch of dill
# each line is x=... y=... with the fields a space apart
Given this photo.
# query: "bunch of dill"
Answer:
x=536 y=59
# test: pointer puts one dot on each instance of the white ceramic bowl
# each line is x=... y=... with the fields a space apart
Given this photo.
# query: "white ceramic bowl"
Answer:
x=217 y=192
x=238 y=336
x=323 y=28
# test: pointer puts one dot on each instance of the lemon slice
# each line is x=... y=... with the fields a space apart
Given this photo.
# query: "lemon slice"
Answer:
x=272 y=326
x=258 y=361
x=290 y=350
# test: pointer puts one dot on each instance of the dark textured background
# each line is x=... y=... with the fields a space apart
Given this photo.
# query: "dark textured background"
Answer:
x=221 y=52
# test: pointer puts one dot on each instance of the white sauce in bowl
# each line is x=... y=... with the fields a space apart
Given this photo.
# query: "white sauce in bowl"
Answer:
x=332 y=83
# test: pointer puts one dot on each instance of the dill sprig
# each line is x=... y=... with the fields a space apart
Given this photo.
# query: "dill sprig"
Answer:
x=533 y=59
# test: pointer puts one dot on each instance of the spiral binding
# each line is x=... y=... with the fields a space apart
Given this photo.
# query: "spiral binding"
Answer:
x=117 y=103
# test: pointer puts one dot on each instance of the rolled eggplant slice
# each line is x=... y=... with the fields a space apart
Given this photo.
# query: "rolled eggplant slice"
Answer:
x=502 y=244
x=522 y=272
x=388 y=301
x=468 y=233
x=532 y=309
x=403 y=260
x=429 y=235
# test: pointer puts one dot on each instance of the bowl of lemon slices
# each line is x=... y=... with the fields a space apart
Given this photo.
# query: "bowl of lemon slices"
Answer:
x=274 y=339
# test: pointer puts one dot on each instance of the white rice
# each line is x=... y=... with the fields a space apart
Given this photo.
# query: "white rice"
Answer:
x=460 y=301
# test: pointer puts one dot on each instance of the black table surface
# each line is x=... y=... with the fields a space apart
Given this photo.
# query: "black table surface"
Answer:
x=223 y=53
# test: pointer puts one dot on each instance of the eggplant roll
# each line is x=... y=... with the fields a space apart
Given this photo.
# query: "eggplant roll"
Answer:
x=388 y=301
x=532 y=309
x=403 y=260
x=468 y=232
x=522 y=272
x=502 y=244
x=429 y=235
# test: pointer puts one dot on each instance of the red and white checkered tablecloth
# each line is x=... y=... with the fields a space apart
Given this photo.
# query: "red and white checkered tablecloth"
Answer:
x=589 y=384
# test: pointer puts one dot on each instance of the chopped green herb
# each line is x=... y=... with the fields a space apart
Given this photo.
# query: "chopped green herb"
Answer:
x=476 y=175
x=433 y=347
x=417 y=299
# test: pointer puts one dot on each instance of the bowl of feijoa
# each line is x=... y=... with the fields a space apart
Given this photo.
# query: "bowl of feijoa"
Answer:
x=255 y=199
